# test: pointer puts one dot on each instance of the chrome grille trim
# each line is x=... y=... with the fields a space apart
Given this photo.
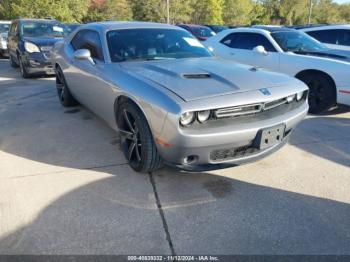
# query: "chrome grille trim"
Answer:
x=238 y=110
x=275 y=103
x=249 y=109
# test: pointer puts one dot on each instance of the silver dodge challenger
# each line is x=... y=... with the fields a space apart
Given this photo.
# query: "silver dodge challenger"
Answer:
x=171 y=100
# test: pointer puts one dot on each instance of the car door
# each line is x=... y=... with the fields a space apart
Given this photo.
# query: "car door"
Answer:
x=240 y=47
x=87 y=77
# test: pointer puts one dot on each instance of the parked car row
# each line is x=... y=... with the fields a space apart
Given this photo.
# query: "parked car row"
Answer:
x=183 y=102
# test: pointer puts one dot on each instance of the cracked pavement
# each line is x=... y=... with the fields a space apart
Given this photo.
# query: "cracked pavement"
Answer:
x=65 y=188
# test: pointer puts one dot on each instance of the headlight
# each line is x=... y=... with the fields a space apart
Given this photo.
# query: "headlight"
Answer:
x=300 y=95
x=203 y=116
x=186 y=118
x=31 y=48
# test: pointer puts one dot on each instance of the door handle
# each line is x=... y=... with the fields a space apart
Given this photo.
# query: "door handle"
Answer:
x=232 y=53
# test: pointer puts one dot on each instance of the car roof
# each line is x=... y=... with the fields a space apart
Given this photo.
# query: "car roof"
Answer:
x=273 y=29
x=113 y=25
x=330 y=26
x=5 y=22
x=37 y=20
x=194 y=25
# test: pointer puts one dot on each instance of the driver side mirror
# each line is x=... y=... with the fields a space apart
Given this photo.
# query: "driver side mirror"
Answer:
x=83 y=54
x=260 y=50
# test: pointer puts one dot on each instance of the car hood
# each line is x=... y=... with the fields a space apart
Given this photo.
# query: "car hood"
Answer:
x=199 y=78
x=40 y=41
x=341 y=55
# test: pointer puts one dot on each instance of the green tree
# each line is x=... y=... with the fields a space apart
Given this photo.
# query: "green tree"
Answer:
x=208 y=11
x=237 y=12
x=147 y=10
x=63 y=10
x=325 y=11
x=293 y=11
x=101 y=10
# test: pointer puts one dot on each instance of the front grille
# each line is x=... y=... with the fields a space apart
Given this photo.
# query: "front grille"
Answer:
x=238 y=110
x=251 y=109
x=46 y=48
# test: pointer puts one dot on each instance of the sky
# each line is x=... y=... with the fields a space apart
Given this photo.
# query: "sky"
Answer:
x=342 y=1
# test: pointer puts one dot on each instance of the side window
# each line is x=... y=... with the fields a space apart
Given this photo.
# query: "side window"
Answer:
x=77 y=41
x=344 y=37
x=248 y=41
x=230 y=40
x=325 y=36
x=88 y=39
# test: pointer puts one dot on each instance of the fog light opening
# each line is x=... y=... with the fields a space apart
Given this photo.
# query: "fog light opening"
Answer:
x=190 y=160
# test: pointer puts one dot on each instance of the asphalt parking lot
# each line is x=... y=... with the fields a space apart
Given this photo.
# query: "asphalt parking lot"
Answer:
x=65 y=188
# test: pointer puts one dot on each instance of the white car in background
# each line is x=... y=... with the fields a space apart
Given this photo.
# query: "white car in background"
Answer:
x=4 y=28
x=291 y=52
x=333 y=36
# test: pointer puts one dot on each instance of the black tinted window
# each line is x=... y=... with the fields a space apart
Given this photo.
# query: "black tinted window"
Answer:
x=325 y=36
x=247 y=41
x=344 y=37
x=88 y=39
x=153 y=44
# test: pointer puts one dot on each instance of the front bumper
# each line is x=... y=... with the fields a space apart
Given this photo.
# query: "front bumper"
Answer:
x=235 y=135
x=38 y=63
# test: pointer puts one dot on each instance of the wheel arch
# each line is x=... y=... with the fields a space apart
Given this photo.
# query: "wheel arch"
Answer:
x=124 y=98
x=315 y=71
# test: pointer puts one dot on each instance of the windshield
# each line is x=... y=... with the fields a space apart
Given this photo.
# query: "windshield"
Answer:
x=4 y=28
x=153 y=44
x=202 y=31
x=41 y=29
x=295 y=41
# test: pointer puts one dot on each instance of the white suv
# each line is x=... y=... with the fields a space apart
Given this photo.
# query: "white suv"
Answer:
x=291 y=52
x=333 y=36
x=4 y=28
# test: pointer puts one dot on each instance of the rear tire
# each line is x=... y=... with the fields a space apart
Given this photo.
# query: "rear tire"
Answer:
x=64 y=95
x=136 y=139
x=322 y=95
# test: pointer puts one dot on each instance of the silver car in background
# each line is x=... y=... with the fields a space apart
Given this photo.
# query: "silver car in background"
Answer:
x=171 y=100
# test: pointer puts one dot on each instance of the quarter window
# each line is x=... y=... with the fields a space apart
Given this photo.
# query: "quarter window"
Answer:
x=88 y=39
x=344 y=37
x=324 y=36
x=247 y=41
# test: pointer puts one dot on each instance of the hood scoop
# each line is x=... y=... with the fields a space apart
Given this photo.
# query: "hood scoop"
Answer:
x=196 y=75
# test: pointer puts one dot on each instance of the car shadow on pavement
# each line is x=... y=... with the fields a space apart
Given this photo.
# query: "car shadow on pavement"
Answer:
x=218 y=216
x=326 y=137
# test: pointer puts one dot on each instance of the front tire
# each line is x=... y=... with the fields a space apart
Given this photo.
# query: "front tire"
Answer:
x=64 y=95
x=136 y=139
x=322 y=95
x=22 y=67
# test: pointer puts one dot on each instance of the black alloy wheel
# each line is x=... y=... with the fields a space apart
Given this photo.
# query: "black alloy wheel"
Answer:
x=321 y=92
x=64 y=95
x=136 y=139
